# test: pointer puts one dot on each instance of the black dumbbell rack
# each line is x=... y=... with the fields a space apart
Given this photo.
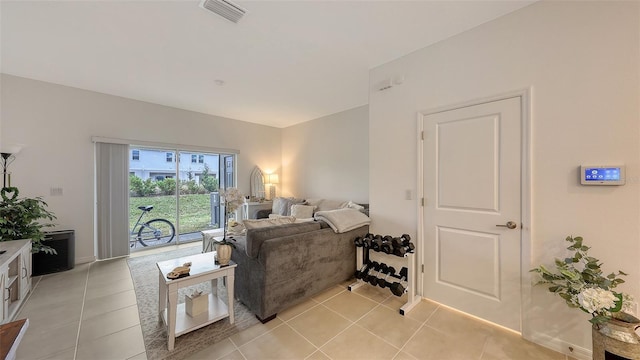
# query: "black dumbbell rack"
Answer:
x=383 y=246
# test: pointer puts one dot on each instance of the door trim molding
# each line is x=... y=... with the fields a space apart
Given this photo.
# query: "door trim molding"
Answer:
x=525 y=192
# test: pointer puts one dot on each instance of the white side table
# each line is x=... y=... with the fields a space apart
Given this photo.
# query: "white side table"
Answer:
x=250 y=209
x=203 y=268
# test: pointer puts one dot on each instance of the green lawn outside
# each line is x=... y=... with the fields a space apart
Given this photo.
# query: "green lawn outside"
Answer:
x=195 y=211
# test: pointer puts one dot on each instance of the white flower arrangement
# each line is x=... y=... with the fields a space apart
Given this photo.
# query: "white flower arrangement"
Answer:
x=232 y=198
x=580 y=282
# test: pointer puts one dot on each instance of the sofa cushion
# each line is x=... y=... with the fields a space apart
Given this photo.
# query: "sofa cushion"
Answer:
x=282 y=206
x=261 y=223
x=302 y=211
x=255 y=237
x=325 y=204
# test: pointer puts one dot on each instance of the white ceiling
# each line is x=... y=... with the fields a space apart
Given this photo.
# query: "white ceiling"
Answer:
x=284 y=63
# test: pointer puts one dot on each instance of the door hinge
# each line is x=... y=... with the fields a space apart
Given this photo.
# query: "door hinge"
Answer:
x=422 y=201
x=422 y=135
x=422 y=268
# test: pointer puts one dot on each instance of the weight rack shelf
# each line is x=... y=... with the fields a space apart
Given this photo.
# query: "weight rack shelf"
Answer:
x=362 y=256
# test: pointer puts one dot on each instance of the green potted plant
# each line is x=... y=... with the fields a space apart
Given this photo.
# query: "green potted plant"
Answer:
x=581 y=283
x=22 y=219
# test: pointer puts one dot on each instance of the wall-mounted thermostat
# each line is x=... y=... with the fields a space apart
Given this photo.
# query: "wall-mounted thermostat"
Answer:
x=602 y=175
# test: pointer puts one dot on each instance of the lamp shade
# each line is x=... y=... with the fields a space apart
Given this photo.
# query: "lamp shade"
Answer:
x=273 y=179
x=11 y=148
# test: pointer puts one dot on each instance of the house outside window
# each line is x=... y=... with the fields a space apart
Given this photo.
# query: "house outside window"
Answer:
x=194 y=158
x=200 y=159
x=169 y=157
x=135 y=154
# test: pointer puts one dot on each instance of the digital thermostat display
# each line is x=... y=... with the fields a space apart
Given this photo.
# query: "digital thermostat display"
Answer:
x=602 y=175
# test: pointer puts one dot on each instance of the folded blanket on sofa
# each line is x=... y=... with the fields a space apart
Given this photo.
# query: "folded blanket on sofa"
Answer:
x=343 y=220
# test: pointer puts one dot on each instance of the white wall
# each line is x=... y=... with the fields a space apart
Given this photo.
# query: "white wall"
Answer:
x=581 y=61
x=56 y=124
x=328 y=157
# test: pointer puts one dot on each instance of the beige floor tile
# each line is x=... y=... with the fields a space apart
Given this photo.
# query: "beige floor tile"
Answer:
x=404 y=356
x=39 y=344
x=296 y=310
x=66 y=354
x=431 y=344
x=43 y=319
x=319 y=324
x=504 y=345
x=47 y=298
x=215 y=351
x=254 y=331
x=121 y=345
x=358 y=343
x=327 y=294
x=270 y=345
x=99 y=277
x=421 y=311
x=451 y=322
x=105 y=304
x=350 y=305
x=390 y=325
x=64 y=280
x=318 y=355
x=110 y=288
x=108 y=323
x=374 y=293
x=236 y=355
x=108 y=265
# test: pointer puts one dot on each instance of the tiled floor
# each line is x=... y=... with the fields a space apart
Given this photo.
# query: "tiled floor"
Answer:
x=90 y=312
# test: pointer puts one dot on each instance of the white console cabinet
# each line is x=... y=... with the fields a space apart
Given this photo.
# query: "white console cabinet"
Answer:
x=15 y=276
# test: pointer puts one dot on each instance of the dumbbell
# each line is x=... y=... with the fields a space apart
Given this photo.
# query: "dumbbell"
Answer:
x=367 y=242
x=358 y=241
x=387 y=246
x=390 y=271
x=373 y=277
x=398 y=288
x=402 y=250
x=363 y=270
x=376 y=242
x=365 y=276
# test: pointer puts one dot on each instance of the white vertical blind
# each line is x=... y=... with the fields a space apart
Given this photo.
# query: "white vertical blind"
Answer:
x=112 y=194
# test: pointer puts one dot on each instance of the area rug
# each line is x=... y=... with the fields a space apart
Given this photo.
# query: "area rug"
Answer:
x=145 y=281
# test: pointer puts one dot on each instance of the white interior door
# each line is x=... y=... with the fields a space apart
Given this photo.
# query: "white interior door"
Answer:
x=472 y=188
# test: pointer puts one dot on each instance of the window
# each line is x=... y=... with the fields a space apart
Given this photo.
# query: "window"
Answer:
x=200 y=159
x=135 y=154
x=169 y=157
x=194 y=158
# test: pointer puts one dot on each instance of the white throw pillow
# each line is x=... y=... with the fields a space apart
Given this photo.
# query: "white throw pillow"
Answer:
x=282 y=206
x=302 y=211
x=260 y=223
x=353 y=205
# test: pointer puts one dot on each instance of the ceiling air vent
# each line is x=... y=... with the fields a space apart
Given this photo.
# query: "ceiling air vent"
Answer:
x=226 y=9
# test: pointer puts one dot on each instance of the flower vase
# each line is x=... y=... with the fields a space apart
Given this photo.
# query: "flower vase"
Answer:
x=618 y=337
x=224 y=253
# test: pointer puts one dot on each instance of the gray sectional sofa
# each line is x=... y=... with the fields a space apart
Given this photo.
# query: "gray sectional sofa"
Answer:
x=280 y=266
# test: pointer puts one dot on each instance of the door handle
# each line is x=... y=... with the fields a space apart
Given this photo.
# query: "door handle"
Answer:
x=509 y=224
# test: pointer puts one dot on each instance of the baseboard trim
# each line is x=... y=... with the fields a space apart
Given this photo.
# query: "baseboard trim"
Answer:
x=86 y=259
x=560 y=346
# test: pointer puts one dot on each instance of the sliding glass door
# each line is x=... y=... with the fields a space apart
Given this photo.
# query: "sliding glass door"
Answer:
x=198 y=202
x=152 y=197
x=177 y=189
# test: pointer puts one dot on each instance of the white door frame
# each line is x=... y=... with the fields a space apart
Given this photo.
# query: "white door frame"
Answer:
x=525 y=193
